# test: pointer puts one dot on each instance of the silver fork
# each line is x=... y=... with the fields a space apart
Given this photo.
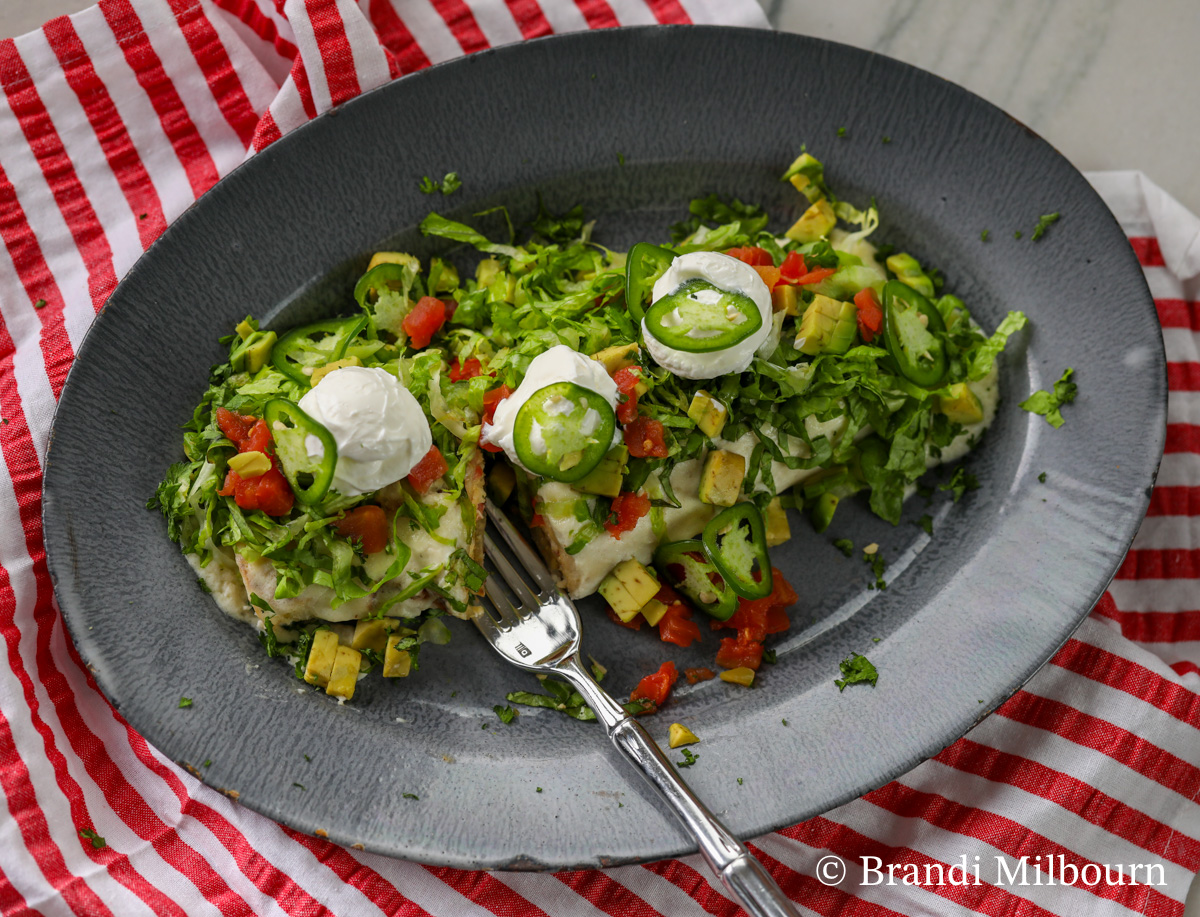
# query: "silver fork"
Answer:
x=539 y=630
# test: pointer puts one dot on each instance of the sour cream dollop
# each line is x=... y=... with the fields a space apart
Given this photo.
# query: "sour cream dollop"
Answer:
x=380 y=430
x=558 y=364
x=725 y=273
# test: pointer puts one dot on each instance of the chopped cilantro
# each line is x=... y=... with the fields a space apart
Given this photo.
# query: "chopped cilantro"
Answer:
x=98 y=842
x=1017 y=234
x=845 y=545
x=887 y=139
x=1048 y=404
x=926 y=524
x=878 y=566
x=410 y=795
x=770 y=656
x=207 y=762
x=841 y=132
x=506 y=714
x=688 y=759
x=1042 y=478
x=784 y=722
x=300 y=785
x=876 y=639
x=204 y=587
x=621 y=159
x=142 y=216
x=307 y=758
x=1043 y=223
x=856 y=670
x=565 y=699
x=447 y=185
x=739 y=781
x=983 y=236
x=960 y=482
x=185 y=702
x=483 y=725
x=40 y=304
x=539 y=789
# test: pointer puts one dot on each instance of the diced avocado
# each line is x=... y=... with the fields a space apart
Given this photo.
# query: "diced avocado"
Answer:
x=570 y=460
x=617 y=357
x=814 y=224
x=396 y=663
x=742 y=675
x=653 y=612
x=908 y=271
x=708 y=413
x=721 y=479
x=501 y=480
x=321 y=656
x=370 y=634
x=679 y=734
x=828 y=326
x=443 y=276
x=244 y=329
x=394 y=258
x=962 y=405
x=344 y=676
x=487 y=271
x=807 y=175
x=778 y=530
x=259 y=352
x=250 y=464
x=628 y=588
x=823 y=510
x=605 y=479
x=785 y=299
x=322 y=371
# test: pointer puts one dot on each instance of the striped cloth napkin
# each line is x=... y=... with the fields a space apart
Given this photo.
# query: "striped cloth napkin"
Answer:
x=116 y=119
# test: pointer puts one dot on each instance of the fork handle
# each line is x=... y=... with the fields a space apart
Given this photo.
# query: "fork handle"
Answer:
x=736 y=867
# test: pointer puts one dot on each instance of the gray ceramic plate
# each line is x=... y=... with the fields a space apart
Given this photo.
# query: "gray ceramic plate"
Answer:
x=631 y=124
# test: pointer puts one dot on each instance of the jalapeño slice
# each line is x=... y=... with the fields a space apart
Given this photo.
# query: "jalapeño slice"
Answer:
x=698 y=317
x=735 y=540
x=290 y=428
x=564 y=431
x=315 y=345
x=917 y=347
x=644 y=264
x=686 y=568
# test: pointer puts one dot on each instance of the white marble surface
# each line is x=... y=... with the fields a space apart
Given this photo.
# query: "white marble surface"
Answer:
x=1112 y=84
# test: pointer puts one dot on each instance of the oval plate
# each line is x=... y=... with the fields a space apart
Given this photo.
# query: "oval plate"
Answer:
x=631 y=124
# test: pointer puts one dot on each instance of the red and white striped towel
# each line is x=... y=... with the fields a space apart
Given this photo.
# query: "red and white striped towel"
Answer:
x=112 y=122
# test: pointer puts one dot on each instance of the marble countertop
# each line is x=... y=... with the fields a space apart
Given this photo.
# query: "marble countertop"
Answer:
x=1108 y=82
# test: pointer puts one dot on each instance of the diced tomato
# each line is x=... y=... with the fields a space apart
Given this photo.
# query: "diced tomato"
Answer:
x=644 y=438
x=468 y=370
x=536 y=521
x=751 y=255
x=270 y=491
x=735 y=653
x=634 y=624
x=676 y=626
x=656 y=687
x=697 y=675
x=429 y=469
x=769 y=273
x=491 y=399
x=236 y=427
x=424 y=320
x=755 y=619
x=792 y=268
x=816 y=275
x=627 y=379
x=627 y=509
x=368 y=524
x=870 y=316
